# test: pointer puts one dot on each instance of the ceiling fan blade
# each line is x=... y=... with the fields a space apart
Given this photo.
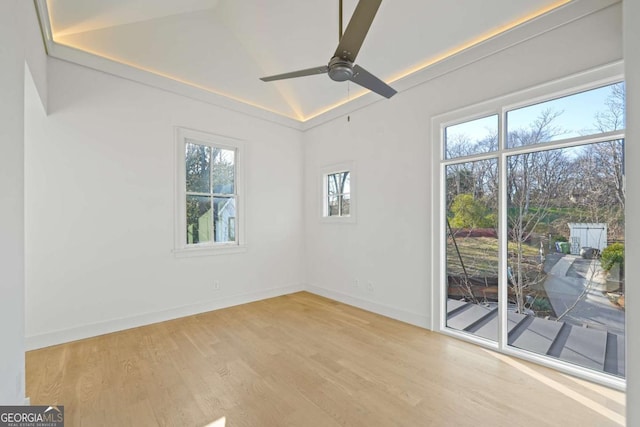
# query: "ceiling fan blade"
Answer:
x=371 y=82
x=300 y=73
x=357 y=29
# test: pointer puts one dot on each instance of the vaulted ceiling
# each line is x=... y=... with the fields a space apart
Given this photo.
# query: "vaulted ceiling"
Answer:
x=224 y=46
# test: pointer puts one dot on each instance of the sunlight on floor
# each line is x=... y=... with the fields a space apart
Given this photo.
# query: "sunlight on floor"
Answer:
x=605 y=392
x=220 y=422
x=602 y=410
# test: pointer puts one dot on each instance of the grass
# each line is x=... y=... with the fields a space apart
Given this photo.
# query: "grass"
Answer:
x=480 y=255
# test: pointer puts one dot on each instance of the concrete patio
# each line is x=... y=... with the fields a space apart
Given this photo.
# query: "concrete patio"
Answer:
x=576 y=286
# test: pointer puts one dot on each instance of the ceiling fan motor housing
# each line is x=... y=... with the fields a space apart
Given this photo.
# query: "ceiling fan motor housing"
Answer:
x=340 y=70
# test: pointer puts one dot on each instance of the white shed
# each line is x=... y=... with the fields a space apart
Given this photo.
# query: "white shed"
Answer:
x=587 y=235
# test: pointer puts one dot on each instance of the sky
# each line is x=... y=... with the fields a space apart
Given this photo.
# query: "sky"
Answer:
x=578 y=112
x=577 y=118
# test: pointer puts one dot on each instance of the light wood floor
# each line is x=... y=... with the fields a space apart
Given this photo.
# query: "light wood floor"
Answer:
x=303 y=360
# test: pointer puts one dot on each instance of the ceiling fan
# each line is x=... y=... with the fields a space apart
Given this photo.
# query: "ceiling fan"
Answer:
x=341 y=66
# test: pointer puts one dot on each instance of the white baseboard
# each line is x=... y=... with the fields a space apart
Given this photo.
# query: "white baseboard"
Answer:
x=100 y=328
x=374 y=307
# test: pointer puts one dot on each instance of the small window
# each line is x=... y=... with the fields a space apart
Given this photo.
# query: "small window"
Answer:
x=337 y=193
x=208 y=196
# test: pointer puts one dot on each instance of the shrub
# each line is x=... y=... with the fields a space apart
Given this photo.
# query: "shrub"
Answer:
x=612 y=255
x=541 y=304
x=470 y=213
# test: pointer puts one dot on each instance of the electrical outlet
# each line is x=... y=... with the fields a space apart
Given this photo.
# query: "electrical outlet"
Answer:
x=216 y=285
x=356 y=284
x=370 y=286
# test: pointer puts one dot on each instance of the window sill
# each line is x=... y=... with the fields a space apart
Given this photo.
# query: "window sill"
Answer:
x=338 y=219
x=208 y=250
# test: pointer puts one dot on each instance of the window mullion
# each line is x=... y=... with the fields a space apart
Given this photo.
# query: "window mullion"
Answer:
x=567 y=143
x=470 y=158
x=195 y=193
x=212 y=195
x=503 y=284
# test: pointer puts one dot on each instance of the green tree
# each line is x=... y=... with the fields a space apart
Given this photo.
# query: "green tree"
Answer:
x=198 y=171
x=469 y=212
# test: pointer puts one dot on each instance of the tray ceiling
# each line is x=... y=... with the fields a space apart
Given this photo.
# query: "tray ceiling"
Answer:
x=224 y=46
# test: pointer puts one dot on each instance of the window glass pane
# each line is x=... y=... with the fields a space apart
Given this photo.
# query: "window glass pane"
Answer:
x=346 y=204
x=198 y=163
x=224 y=208
x=232 y=228
x=472 y=247
x=199 y=224
x=346 y=182
x=332 y=206
x=565 y=254
x=223 y=171
x=338 y=183
x=473 y=137
x=332 y=185
x=586 y=113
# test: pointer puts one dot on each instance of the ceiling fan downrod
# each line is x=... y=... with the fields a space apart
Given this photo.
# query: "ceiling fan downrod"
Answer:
x=339 y=20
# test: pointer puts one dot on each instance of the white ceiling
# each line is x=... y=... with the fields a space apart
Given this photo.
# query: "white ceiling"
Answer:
x=224 y=46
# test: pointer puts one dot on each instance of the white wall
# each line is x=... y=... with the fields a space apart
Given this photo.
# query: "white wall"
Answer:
x=390 y=142
x=19 y=43
x=35 y=54
x=12 y=48
x=632 y=73
x=100 y=204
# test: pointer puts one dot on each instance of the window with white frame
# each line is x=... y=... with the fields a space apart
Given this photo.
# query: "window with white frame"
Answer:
x=513 y=177
x=337 y=193
x=209 y=193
